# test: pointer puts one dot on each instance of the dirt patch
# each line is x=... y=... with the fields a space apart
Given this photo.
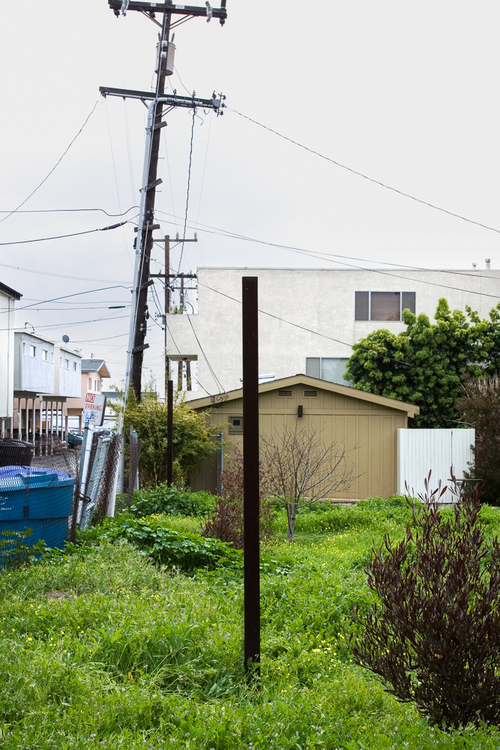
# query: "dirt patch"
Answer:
x=52 y=595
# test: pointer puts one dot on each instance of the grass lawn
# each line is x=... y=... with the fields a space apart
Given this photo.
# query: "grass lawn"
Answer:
x=102 y=649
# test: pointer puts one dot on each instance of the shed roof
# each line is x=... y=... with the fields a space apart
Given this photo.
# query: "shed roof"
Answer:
x=391 y=403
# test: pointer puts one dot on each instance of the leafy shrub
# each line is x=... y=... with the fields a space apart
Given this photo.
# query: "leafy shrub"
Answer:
x=170 y=500
x=15 y=551
x=480 y=408
x=192 y=441
x=188 y=552
x=226 y=522
x=434 y=635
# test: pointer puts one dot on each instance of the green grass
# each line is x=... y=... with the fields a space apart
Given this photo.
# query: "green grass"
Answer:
x=103 y=649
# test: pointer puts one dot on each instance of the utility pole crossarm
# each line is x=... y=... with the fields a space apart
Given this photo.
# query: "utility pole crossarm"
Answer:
x=172 y=100
x=183 y=10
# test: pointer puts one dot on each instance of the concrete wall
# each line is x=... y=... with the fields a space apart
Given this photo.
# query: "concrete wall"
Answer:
x=7 y=304
x=68 y=377
x=305 y=314
x=33 y=364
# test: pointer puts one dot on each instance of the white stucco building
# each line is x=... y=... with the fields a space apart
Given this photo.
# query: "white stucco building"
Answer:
x=309 y=319
x=8 y=298
x=45 y=376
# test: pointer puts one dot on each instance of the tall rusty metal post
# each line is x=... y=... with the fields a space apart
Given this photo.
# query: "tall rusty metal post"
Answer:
x=251 y=544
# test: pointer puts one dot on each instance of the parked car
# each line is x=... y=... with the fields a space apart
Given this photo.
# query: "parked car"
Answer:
x=74 y=439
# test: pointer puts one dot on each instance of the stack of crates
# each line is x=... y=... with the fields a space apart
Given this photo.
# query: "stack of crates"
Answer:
x=39 y=499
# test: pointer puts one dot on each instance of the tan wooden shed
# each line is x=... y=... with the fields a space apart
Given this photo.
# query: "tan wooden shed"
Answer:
x=365 y=424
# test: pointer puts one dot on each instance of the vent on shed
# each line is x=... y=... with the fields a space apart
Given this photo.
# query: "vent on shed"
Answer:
x=310 y=394
x=285 y=393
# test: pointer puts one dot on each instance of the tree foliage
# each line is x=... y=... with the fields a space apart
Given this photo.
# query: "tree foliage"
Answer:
x=480 y=408
x=191 y=437
x=433 y=636
x=427 y=363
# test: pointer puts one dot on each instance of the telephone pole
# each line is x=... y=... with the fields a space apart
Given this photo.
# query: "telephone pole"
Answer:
x=158 y=99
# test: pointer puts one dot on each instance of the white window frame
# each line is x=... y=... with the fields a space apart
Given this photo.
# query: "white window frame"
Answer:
x=361 y=302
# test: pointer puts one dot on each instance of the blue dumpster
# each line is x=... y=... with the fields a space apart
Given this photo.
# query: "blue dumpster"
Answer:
x=39 y=499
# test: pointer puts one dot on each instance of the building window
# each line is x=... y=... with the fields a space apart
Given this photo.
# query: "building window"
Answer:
x=74 y=366
x=383 y=305
x=24 y=347
x=331 y=369
x=45 y=355
x=32 y=351
x=90 y=384
x=236 y=425
x=98 y=385
x=66 y=363
x=285 y=393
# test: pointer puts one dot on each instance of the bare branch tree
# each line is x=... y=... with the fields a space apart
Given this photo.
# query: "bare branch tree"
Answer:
x=303 y=470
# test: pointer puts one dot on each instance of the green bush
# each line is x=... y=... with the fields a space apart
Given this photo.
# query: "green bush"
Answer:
x=192 y=441
x=187 y=552
x=15 y=550
x=170 y=500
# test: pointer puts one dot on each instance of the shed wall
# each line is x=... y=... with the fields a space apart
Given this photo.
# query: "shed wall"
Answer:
x=367 y=431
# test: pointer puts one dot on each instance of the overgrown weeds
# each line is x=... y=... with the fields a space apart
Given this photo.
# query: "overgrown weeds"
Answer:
x=103 y=648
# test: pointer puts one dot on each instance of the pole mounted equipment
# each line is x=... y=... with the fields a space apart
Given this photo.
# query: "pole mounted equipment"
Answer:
x=120 y=7
x=156 y=101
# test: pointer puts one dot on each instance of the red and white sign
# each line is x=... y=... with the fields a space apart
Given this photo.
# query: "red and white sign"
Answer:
x=93 y=410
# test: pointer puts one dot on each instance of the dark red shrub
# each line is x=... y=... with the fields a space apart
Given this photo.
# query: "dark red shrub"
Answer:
x=434 y=634
x=227 y=521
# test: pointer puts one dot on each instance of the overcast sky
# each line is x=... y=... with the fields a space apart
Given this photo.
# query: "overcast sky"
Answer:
x=405 y=93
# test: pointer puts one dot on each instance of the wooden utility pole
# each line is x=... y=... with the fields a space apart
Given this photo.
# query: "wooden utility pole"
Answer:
x=141 y=322
x=167 y=309
x=158 y=99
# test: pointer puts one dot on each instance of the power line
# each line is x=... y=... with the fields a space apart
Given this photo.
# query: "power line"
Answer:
x=364 y=176
x=187 y=192
x=54 y=275
x=67 y=296
x=68 y=210
x=65 y=236
x=53 y=168
x=73 y=323
x=329 y=256
x=211 y=369
x=330 y=338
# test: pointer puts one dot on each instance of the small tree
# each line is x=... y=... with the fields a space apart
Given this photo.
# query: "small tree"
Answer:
x=191 y=438
x=480 y=408
x=227 y=521
x=434 y=634
x=303 y=471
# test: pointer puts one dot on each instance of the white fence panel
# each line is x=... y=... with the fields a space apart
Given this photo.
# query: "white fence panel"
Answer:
x=421 y=451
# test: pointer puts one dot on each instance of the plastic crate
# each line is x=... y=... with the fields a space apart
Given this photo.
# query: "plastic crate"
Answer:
x=40 y=499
